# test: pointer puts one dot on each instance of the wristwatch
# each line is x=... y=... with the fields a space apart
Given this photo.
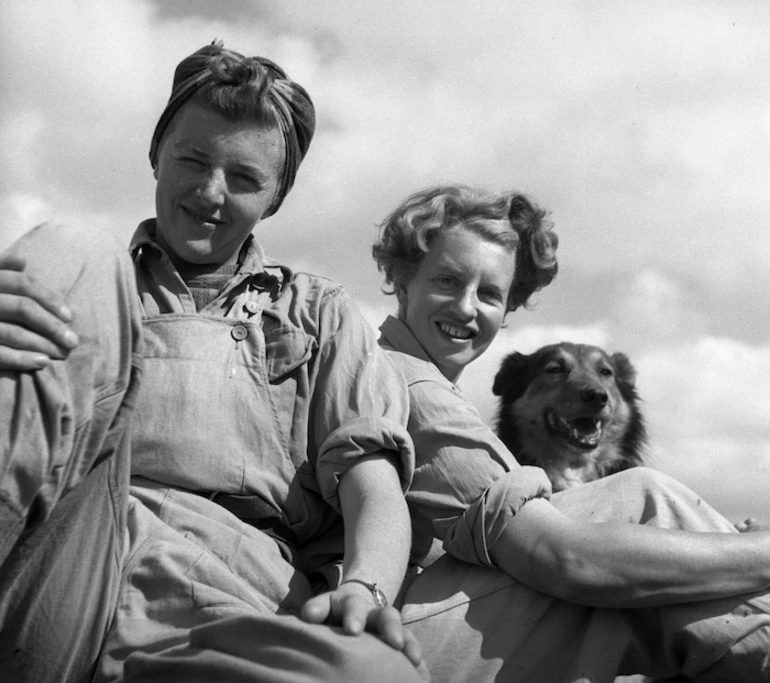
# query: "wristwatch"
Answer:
x=379 y=597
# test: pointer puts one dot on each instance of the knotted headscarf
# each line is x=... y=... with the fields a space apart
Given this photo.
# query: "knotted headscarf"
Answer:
x=289 y=101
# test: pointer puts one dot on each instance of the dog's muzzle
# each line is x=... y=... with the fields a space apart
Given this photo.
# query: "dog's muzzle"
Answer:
x=582 y=432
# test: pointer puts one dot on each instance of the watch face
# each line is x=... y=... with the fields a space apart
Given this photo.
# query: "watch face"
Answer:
x=379 y=597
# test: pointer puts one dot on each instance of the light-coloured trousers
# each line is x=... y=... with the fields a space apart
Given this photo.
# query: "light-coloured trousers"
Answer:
x=479 y=624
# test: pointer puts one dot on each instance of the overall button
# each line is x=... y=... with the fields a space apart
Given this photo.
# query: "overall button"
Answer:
x=251 y=306
x=239 y=333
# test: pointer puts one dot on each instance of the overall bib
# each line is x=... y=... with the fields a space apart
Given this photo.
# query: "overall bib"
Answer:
x=214 y=492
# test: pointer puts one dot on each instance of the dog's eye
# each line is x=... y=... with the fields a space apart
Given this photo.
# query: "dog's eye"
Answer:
x=607 y=372
x=554 y=369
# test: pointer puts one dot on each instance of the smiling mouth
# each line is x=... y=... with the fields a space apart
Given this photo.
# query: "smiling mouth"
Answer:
x=455 y=332
x=582 y=432
x=200 y=218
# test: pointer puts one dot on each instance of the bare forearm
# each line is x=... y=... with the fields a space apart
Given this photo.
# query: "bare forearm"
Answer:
x=377 y=528
x=626 y=565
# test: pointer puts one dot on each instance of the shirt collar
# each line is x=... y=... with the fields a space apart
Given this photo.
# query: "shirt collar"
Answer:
x=395 y=334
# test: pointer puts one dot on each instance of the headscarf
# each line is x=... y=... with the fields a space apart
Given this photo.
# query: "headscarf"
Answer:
x=291 y=105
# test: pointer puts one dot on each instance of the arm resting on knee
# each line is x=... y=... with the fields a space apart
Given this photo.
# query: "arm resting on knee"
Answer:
x=627 y=565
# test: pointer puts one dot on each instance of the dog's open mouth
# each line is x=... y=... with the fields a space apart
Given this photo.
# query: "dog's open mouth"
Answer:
x=583 y=432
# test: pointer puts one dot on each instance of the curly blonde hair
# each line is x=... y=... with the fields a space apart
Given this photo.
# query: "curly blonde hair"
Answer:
x=509 y=219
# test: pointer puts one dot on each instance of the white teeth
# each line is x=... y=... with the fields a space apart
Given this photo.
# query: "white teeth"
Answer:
x=453 y=331
x=561 y=427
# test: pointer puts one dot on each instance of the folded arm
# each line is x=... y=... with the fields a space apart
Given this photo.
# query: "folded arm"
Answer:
x=627 y=565
x=377 y=539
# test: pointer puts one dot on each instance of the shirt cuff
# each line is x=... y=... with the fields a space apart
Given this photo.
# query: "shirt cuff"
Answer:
x=483 y=522
x=359 y=438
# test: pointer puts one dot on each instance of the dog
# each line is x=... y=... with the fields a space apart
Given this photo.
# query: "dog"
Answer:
x=571 y=409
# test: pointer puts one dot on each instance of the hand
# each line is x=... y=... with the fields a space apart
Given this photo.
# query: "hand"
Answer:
x=351 y=606
x=751 y=524
x=33 y=320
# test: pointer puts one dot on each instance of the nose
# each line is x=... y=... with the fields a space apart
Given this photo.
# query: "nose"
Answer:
x=212 y=189
x=596 y=396
x=464 y=304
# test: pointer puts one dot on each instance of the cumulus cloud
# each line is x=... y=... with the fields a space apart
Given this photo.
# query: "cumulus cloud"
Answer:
x=642 y=128
x=707 y=405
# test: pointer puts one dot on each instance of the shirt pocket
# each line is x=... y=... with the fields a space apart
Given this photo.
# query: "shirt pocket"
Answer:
x=286 y=349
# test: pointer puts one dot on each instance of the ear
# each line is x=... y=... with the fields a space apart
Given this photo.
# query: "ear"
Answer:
x=511 y=379
x=624 y=371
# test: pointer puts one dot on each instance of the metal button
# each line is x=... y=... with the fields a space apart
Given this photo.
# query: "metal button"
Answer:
x=251 y=306
x=239 y=333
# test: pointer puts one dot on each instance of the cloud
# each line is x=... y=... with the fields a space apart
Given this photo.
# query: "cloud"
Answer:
x=707 y=406
x=643 y=128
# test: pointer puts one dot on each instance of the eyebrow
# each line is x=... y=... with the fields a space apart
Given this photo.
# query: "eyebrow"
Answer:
x=188 y=148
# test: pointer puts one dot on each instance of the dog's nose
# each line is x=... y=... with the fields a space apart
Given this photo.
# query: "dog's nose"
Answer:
x=594 y=396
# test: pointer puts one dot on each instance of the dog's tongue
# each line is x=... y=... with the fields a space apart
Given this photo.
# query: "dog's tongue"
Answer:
x=586 y=425
x=586 y=431
x=583 y=432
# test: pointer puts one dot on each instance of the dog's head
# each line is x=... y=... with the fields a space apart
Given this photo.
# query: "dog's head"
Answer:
x=570 y=406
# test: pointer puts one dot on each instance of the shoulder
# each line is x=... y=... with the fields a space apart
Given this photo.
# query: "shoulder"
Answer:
x=300 y=283
x=416 y=370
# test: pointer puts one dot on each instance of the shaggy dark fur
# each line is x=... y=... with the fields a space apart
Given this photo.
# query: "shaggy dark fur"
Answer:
x=571 y=409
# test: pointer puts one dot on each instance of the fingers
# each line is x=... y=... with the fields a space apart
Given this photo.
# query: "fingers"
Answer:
x=33 y=320
x=317 y=610
x=355 y=613
x=413 y=653
x=751 y=524
x=386 y=622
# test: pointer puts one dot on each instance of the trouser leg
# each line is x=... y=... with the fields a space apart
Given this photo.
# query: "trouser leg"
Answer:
x=641 y=496
x=713 y=640
x=64 y=463
x=479 y=624
x=273 y=649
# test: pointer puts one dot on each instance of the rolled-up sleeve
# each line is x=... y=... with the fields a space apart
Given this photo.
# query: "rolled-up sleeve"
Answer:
x=360 y=404
x=466 y=485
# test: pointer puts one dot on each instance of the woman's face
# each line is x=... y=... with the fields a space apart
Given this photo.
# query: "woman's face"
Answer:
x=455 y=303
x=216 y=179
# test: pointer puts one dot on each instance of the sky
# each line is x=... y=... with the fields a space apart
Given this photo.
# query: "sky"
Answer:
x=644 y=129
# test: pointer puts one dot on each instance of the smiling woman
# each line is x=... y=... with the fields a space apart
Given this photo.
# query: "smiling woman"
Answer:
x=222 y=539
x=449 y=255
x=216 y=178
x=507 y=573
x=455 y=303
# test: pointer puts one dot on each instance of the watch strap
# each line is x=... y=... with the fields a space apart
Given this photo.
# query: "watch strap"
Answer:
x=379 y=597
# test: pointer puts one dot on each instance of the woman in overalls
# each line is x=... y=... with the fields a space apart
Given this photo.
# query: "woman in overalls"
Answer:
x=266 y=419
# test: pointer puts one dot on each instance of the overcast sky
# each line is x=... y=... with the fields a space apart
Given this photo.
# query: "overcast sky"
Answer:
x=643 y=127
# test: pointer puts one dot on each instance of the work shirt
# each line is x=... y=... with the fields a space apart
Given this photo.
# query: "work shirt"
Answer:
x=262 y=399
x=466 y=482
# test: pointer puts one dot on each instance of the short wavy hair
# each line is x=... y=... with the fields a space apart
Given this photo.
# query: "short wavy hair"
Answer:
x=509 y=219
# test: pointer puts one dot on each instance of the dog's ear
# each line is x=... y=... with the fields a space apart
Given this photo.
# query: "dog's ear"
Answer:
x=512 y=378
x=625 y=373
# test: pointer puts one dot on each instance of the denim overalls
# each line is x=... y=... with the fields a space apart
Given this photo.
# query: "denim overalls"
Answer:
x=249 y=413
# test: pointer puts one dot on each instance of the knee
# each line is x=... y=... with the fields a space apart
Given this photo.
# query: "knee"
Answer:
x=369 y=659
x=645 y=479
x=61 y=255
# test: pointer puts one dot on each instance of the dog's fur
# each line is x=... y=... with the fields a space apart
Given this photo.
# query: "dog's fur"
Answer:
x=571 y=409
